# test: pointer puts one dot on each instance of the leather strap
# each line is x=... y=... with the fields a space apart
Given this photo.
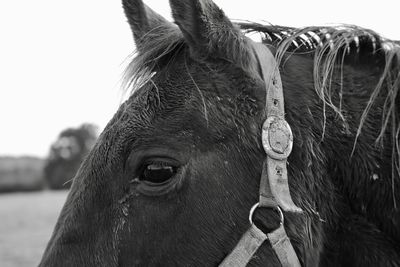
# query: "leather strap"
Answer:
x=274 y=188
x=274 y=193
x=251 y=240
x=277 y=140
x=277 y=137
x=282 y=247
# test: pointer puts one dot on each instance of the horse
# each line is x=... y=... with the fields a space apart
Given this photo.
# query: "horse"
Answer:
x=172 y=178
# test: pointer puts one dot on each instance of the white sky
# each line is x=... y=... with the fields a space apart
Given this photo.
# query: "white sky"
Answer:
x=61 y=61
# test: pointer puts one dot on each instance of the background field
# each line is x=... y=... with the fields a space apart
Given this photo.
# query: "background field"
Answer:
x=26 y=223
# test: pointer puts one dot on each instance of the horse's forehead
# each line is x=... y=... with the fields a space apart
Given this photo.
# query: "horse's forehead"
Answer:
x=205 y=99
x=169 y=88
x=155 y=103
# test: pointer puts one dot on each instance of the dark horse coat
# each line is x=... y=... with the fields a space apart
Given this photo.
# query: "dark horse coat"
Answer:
x=175 y=172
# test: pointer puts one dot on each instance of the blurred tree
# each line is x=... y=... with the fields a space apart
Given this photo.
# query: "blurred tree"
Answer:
x=67 y=153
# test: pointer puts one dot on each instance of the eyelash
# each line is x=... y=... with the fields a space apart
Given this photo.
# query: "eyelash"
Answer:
x=158 y=175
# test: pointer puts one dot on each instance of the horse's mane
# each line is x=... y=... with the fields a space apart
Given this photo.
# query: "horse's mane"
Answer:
x=330 y=47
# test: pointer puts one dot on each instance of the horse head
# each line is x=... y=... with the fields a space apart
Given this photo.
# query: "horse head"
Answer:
x=174 y=174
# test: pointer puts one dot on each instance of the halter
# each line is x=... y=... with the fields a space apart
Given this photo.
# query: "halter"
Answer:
x=277 y=140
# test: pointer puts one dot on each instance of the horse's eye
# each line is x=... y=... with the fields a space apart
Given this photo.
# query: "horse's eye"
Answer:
x=157 y=172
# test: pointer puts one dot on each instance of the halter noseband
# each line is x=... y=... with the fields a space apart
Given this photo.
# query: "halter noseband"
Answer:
x=277 y=140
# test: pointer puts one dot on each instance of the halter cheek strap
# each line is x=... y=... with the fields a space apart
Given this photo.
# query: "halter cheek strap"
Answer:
x=277 y=140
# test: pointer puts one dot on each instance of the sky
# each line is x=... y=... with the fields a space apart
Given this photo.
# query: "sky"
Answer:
x=61 y=61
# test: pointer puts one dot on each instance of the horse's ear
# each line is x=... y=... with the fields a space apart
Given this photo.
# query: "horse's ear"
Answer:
x=143 y=20
x=209 y=32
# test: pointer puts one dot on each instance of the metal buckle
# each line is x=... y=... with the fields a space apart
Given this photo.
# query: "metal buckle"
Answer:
x=255 y=206
x=277 y=138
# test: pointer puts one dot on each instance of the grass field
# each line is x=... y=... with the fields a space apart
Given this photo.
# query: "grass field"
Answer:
x=26 y=223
